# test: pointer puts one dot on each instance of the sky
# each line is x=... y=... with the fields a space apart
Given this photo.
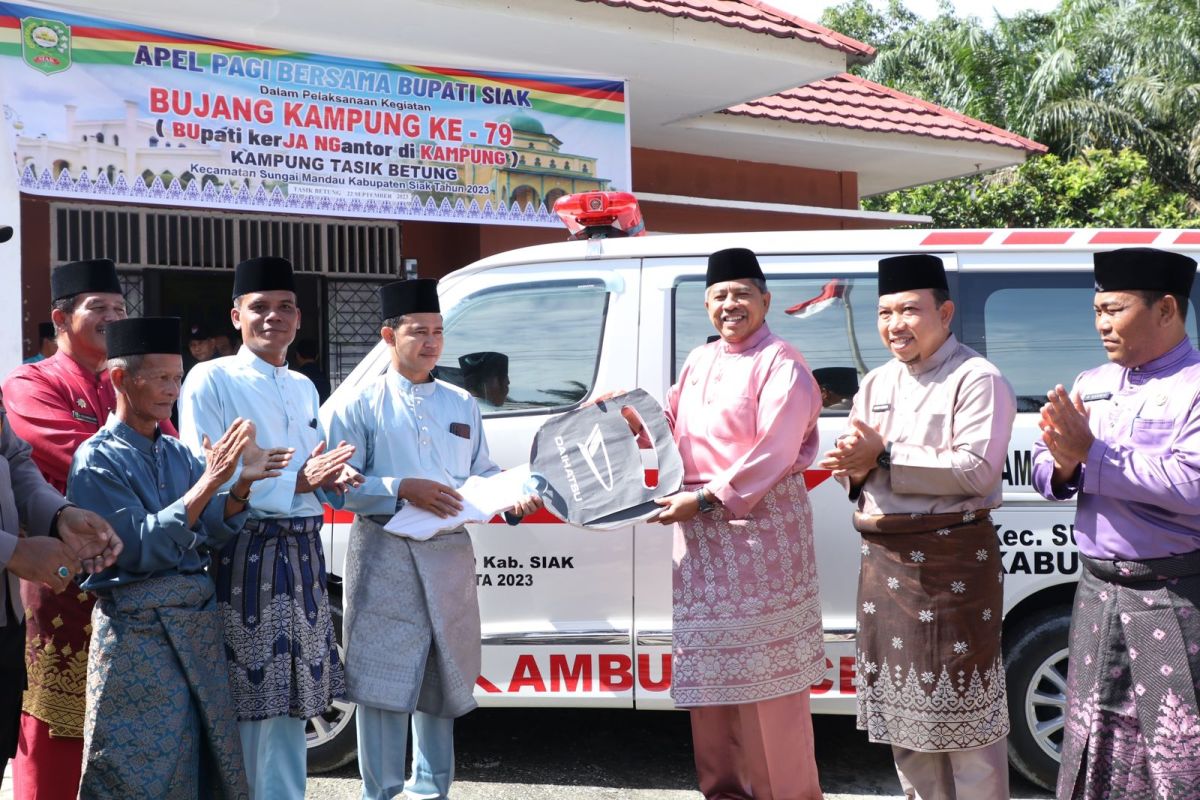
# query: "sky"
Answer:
x=984 y=9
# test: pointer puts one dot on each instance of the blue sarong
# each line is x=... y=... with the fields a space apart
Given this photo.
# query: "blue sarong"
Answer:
x=160 y=720
x=279 y=638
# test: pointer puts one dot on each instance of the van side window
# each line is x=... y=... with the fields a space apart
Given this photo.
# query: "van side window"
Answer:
x=829 y=319
x=526 y=347
x=1037 y=328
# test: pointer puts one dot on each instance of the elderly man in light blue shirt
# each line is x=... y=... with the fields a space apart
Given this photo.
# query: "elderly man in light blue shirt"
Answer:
x=411 y=628
x=284 y=667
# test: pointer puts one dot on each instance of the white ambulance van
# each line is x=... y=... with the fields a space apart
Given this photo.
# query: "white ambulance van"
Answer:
x=580 y=618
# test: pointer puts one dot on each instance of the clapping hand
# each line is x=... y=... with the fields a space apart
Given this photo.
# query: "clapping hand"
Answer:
x=855 y=453
x=221 y=459
x=324 y=468
x=1065 y=430
x=260 y=463
x=346 y=479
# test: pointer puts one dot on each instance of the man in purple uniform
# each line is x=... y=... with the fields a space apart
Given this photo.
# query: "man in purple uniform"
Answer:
x=1126 y=443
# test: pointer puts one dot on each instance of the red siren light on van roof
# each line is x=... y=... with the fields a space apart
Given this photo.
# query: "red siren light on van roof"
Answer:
x=600 y=215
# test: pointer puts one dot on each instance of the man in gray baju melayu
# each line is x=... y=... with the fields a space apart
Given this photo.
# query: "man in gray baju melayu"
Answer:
x=411 y=628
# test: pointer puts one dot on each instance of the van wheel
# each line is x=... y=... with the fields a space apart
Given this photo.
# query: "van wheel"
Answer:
x=332 y=740
x=1035 y=663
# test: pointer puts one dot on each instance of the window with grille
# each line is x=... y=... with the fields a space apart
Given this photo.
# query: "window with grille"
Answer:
x=141 y=237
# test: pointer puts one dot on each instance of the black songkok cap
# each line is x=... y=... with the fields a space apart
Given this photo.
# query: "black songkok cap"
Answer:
x=198 y=332
x=139 y=336
x=84 y=277
x=839 y=380
x=484 y=363
x=1143 y=269
x=910 y=273
x=46 y=330
x=416 y=296
x=266 y=274
x=734 y=264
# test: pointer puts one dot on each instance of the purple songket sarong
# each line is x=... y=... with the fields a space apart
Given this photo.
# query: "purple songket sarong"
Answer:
x=1133 y=728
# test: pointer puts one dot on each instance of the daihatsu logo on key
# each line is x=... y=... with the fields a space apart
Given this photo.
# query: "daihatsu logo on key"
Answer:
x=594 y=443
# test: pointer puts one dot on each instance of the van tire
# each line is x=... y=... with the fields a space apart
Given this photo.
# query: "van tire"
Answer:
x=1035 y=665
x=332 y=738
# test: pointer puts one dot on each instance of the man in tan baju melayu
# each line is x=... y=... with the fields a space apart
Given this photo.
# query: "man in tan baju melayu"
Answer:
x=923 y=460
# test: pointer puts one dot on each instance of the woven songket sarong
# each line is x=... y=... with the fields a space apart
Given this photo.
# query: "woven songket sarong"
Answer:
x=279 y=638
x=160 y=721
x=930 y=593
x=412 y=620
x=57 y=629
x=1133 y=728
x=747 y=611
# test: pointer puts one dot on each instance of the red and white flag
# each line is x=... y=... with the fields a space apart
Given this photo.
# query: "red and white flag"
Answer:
x=831 y=292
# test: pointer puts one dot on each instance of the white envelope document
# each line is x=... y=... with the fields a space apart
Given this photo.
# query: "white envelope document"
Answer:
x=585 y=465
x=483 y=498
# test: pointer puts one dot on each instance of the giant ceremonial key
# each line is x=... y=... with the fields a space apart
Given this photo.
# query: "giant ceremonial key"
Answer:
x=588 y=467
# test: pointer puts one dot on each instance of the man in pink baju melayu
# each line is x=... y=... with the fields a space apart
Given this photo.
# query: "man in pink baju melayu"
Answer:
x=747 y=615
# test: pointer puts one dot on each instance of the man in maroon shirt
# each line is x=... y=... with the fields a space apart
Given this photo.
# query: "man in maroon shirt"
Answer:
x=55 y=405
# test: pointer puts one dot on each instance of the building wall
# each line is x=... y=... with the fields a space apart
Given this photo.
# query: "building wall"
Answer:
x=664 y=172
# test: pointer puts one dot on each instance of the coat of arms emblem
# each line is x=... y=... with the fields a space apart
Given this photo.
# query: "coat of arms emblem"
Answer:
x=46 y=44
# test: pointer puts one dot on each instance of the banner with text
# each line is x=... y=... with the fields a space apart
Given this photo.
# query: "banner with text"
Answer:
x=110 y=111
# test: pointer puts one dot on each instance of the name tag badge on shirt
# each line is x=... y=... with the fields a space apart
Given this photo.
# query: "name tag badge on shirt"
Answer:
x=85 y=418
x=461 y=429
x=1088 y=398
x=881 y=407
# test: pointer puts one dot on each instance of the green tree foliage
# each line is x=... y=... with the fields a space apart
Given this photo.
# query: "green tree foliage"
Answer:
x=1097 y=188
x=1093 y=74
x=859 y=20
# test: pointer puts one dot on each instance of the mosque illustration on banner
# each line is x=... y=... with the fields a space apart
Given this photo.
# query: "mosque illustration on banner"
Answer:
x=127 y=158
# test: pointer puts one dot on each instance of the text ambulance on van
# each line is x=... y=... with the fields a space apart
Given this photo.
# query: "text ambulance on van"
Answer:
x=573 y=617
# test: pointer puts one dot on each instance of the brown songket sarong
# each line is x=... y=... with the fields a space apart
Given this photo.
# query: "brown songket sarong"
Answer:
x=747 y=610
x=930 y=593
x=1133 y=727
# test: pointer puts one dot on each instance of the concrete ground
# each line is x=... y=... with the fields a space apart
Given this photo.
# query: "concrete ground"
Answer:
x=524 y=754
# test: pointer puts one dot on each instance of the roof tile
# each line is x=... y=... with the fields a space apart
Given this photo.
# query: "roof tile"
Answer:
x=848 y=101
x=751 y=15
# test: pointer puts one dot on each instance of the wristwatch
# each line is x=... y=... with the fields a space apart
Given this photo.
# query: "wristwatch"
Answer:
x=706 y=505
x=885 y=458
